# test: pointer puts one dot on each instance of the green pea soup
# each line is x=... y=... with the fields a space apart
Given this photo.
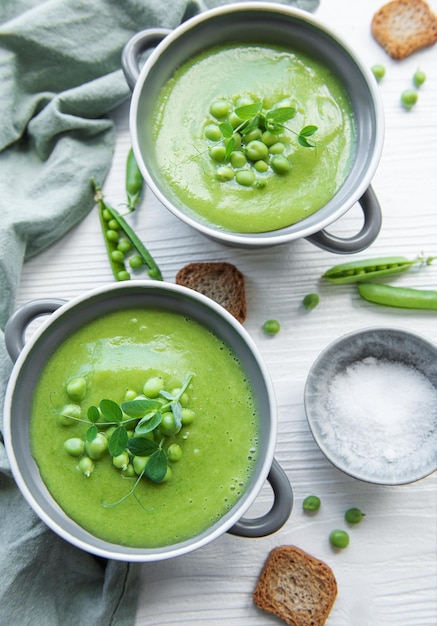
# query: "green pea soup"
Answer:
x=119 y=352
x=240 y=74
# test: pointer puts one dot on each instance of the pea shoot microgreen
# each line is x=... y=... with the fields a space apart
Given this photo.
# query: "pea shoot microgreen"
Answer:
x=143 y=416
x=252 y=141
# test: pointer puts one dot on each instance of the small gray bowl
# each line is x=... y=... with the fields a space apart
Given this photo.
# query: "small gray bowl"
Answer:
x=371 y=404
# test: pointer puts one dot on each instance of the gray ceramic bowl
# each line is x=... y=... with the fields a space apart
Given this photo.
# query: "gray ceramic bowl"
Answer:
x=66 y=317
x=371 y=403
x=276 y=24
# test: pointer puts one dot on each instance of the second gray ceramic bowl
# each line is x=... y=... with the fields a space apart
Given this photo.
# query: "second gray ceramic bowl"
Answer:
x=371 y=404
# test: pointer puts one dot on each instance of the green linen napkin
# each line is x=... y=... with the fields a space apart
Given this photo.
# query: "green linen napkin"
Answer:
x=60 y=75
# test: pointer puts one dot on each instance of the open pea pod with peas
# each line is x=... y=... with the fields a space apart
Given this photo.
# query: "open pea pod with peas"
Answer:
x=365 y=271
x=370 y=269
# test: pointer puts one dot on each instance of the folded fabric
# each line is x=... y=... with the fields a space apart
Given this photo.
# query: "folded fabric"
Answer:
x=60 y=74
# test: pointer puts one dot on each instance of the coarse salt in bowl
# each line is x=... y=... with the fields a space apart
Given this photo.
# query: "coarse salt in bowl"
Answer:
x=371 y=404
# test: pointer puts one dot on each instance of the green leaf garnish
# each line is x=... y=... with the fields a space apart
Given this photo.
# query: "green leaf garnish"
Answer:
x=281 y=114
x=140 y=446
x=156 y=467
x=111 y=411
x=118 y=441
x=91 y=433
x=140 y=408
x=226 y=130
x=229 y=148
x=93 y=414
x=306 y=132
x=177 y=413
x=148 y=423
x=248 y=111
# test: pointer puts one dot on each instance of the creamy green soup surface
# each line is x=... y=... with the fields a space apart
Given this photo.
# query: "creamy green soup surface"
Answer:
x=240 y=74
x=116 y=353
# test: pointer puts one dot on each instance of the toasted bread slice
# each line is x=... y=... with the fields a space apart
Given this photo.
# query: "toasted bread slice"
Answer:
x=222 y=282
x=296 y=587
x=403 y=26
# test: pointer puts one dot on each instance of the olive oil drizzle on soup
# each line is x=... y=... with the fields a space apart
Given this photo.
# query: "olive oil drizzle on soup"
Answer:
x=120 y=351
x=246 y=73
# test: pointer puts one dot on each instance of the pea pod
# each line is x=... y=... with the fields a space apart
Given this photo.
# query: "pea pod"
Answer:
x=113 y=245
x=401 y=297
x=369 y=269
x=134 y=181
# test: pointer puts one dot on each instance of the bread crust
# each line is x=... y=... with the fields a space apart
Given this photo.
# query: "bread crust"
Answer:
x=402 y=27
x=296 y=587
x=220 y=281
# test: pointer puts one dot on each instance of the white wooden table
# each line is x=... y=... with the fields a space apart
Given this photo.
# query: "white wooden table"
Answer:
x=387 y=576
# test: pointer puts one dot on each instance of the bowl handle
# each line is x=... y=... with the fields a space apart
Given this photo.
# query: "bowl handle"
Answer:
x=15 y=329
x=278 y=514
x=367 y=235
x=135 y=47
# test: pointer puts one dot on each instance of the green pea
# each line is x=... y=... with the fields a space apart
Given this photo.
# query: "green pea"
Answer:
x=271 y=327
x=112 y=235
x=139 y=464
x=117 y=256
x=310 y=301
x=238 y=159
x=136 y=261
x=354 y=516
x=129 y=471
x=225 y=173
x=339 y=538
x=257 y=150
x=76 y=388
x=280 y=164
x=174 y=452
x=121 y=461
x=153 y=386
x=86 y=466
x=106 y=215
x=113 y=224
x=234 y=120
x=68 y=414
x=378 y=71
x=98 y=447
x=409 y=98
x=419 y=78
x=74 y=446
x=168 y=424
x=277 y=148
x=219 y=108
x=123 y=275
x=311 y=503
x=124 y=245
x=246 y=178
x=130 y=394
x=261 y=166
x=212 y=132
x=217 y=153
x=269 y=138
x=236 y=137
x=155 y=272
x=187 y=416
x=253 y=135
